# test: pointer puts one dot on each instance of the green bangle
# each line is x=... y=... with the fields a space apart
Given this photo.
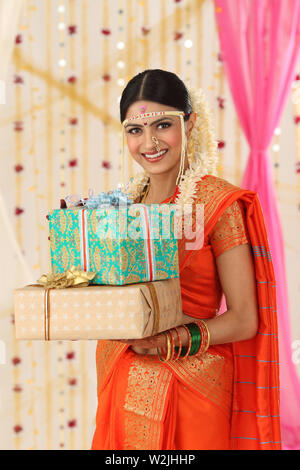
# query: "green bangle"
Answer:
x=195 y=337
x=195 y=340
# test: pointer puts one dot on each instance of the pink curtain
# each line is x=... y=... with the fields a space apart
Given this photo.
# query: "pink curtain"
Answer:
x=259 y=41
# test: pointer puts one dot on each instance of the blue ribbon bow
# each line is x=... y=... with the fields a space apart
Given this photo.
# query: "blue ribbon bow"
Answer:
x=110 y=198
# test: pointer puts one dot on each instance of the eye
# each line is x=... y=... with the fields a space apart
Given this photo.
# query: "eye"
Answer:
x=168 y=124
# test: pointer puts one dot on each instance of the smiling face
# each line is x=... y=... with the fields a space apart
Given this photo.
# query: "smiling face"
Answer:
x=167 y=131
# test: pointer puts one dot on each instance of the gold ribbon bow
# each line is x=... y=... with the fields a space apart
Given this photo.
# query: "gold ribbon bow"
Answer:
x=70 y=278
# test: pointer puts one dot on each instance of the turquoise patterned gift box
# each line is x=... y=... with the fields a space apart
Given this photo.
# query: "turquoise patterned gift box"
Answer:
x=123 y=244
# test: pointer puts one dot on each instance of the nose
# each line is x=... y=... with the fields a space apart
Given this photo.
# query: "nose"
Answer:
x=150 y=140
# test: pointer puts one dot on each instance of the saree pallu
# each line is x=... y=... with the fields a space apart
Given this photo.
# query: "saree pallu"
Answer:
x=228 y=398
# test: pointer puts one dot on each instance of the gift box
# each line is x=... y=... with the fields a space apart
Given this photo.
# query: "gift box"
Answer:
x=97 y=312
x=123 y=244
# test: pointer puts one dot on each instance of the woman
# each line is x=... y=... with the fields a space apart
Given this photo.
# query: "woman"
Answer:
x=226 y=397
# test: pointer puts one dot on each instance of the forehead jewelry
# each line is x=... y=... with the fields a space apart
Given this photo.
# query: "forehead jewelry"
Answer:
x=157 y=113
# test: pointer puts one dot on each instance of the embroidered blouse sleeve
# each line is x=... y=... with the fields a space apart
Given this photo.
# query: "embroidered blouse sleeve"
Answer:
x=230 y=230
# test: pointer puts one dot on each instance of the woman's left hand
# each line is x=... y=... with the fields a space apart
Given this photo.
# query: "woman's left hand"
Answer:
x=144 y=345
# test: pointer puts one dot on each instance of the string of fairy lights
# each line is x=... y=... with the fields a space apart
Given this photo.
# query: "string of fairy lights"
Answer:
x=62 y=63
x=121 y=54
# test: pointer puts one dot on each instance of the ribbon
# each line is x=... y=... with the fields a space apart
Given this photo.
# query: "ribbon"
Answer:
x=148 y=244
x=70 y=278
x=47 y=314
x=110 y=198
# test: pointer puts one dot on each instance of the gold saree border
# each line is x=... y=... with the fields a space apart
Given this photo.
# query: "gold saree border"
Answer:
x=212 y=192
x=145 y=403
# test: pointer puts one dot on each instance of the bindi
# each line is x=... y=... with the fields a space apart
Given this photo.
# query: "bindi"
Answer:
x=143 y=109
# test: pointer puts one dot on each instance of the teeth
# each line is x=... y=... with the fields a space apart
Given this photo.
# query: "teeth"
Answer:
x=156 y=155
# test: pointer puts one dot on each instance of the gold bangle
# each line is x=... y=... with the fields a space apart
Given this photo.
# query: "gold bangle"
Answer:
x=169 y=349
x=208 y=335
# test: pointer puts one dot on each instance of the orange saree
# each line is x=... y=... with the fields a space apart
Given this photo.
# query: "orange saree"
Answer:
x=227 y=398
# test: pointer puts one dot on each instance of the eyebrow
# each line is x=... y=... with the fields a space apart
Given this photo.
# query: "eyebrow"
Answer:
x=152 y=123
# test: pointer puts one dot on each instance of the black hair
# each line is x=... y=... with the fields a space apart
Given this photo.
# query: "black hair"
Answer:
x=156 y=85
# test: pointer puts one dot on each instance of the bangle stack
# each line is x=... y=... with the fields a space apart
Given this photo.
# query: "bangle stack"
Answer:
x=198 y=343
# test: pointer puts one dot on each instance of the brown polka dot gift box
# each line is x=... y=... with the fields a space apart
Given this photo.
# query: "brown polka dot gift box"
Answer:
x=97 y=312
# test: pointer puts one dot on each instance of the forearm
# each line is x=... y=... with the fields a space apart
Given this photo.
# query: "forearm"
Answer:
x=225 y=328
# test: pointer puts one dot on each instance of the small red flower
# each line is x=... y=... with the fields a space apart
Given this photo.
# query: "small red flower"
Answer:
x=70 y=355
x=17 y=388
x=296 y=119
x=106 y=77
x=221 y=102
x=13 y=318
x=72 y=29
x=72 y=423
x=73 y=121
x=221 y=144
x=18 y=428
x=73 y=163
x=177 y=36
x=18 y=39
x=106 y=164
x=18 y=211
x=297 y=77
x=61 y=444
x=63 y=184
x=297 y=167
x=177 y=1
x=18 y=126
x=220 y=57
x=145 y=30
x=73 y=381
x=18 y=79
x=106 y=31
x=72 y=79
x=16 y=360
x=19 y=168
